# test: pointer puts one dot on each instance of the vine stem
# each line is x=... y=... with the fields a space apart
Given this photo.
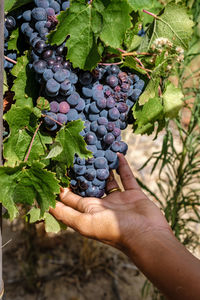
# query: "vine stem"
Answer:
x=149 y=13
x=10 y=60
x=31 y=144
x=137 y=53
x=121 y=50
x=109 y=64
x=142 y=66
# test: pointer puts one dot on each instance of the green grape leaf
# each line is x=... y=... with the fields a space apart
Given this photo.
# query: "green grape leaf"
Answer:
x=51 y=224
x=81 y=22
x=116 y=21
x=56 y=149
x=12 y=42
x=8 y=183
x=13 y=4
x=172 y=101
x=23 y=85
x=43 y=183
x=23 y=123
x=5 y=84
x=174 y=24
x=71 y=142
x=150 y=91
x=25 y=184
x=35 y=215
x=147 y=115
x=140 y=4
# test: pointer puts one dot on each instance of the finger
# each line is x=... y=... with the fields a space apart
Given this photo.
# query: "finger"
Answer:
x=78 y=221
x=71 y=199
x=111 y=182
x=128 y=180
x=65 y=214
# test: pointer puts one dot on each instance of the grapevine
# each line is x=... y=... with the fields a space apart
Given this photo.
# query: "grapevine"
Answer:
x=80 y=72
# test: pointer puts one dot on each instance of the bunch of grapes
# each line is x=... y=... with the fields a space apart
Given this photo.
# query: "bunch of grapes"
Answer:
x=9 y=26
x=102 y=99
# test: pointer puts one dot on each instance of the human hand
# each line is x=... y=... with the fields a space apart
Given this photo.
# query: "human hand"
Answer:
x=120 y=219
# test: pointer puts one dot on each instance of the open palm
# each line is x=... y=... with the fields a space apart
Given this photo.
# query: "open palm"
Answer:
x=117 y=219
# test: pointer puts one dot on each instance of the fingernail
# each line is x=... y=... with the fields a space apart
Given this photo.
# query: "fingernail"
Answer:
x=62 y=189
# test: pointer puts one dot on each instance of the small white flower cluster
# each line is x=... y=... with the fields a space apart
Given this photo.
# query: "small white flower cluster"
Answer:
x=180 y=52
x=160 y=43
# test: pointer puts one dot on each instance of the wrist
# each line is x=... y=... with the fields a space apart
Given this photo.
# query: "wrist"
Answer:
x=140 y=247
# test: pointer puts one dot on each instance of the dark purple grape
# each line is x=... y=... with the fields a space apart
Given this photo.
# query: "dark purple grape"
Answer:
x=10 y=23
x=79 y=170
x=62 y=118
x=42 y=3
x=109 y=138
x=50 y=119
x=122 y=107
x=85 y=78
x=90 y=174
x=94 y=126
x=73 y=99
x=39 y=66
x=114 y=113
x=100 y=163
x=102 y=174
x=116 y=132
x=101 y=130
x=81 y=105
x=136 y=94
x=52 y=86
x=92 y=148
x=93 y=108
x=102 y=121
x=39 y=14
x=110 y=103
x=90 y=138
x=47 y=54
x=112 y=80
x=72 y=115
x=54 y=106
x=61 y=75
x=110 y=155
x=27 y=15
x=40 y=46
x=57 y=66
x=65 y=5
x=110 y=126
x=50 y=11
x=48 y=74
x=64 y=107
x=101 y=103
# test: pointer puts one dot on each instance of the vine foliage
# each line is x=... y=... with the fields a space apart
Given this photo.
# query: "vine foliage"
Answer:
x=96 y=32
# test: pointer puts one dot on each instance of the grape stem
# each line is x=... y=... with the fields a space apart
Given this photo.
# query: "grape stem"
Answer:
x=31 y=144
x=141 y=66
x=52 y=120
x=10 y=60
x=109 y=64
x=137 y=53
x=151 y=14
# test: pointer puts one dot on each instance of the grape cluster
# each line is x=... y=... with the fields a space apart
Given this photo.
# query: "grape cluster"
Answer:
x=109 y=95
x=102 y=99
x=9 y=26
x=53 y=72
